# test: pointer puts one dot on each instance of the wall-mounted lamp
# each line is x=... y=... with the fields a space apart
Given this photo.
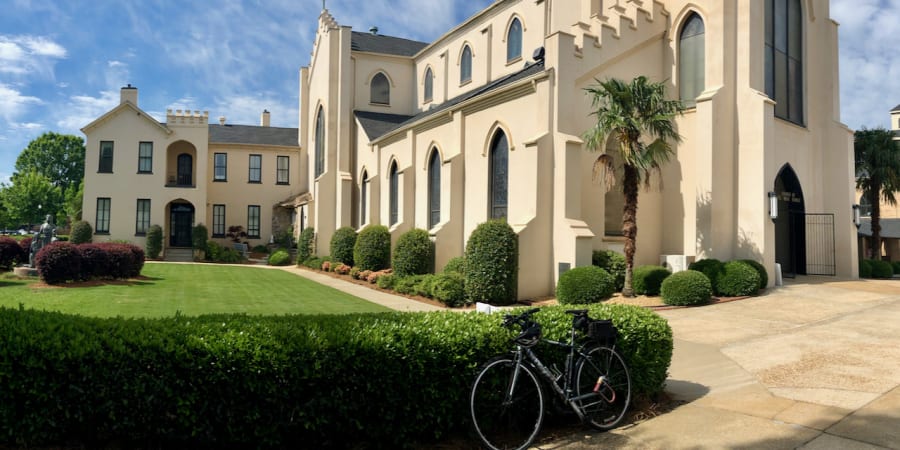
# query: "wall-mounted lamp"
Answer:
x=856 y=215
x=773 y=206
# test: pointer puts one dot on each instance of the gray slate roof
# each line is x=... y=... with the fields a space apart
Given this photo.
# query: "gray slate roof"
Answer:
x=249 y=134
x=896 y=108
x=379 y=124
x=376 y=43
x=890 y=227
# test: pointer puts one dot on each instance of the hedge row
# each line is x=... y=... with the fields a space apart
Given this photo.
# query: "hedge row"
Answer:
x=61 y=262
x=876 y=268
x=379 y=380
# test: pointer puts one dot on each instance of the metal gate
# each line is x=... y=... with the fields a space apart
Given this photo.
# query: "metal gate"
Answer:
x=812 y=244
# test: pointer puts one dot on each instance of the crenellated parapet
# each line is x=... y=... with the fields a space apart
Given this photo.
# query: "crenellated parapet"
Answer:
x=186 y=117
x=327 y=21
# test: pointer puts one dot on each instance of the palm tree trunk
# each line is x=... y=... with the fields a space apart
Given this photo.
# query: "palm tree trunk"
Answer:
x=629 y=224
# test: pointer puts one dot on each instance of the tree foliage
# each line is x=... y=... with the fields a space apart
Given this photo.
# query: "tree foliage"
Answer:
x=877 y=159
x=31 y=196
x=59 y=157
x=639 y=119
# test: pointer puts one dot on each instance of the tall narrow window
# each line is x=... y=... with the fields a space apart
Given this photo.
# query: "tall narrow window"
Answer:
x=320 y=143
x=380 y=90
x=218 y=228
x=393 y=194
x=429 y=85
x=185 y=170
x=255 y=175
x=106 y=157
x=514 y=41
x=498 y=169
x=465 y=65
x=101 y=224
x=691 y=64
x=784 y=58
x=220 y=163
x=142 y=218
x=434 y=189
x=145 y=157
x=283 y=170
x=253 y=221
x=363 y=198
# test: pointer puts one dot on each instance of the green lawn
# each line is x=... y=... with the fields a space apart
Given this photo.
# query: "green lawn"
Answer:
x=192 y=289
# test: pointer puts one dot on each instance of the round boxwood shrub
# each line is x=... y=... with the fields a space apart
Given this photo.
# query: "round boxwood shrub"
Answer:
x=738 y=279
x=9 y=253
x=304 y=244
x=647 y=280
x=613 y=263
x=342 y=242
x=154 y=241
x=413 y=254
x=492 y=263
x=81 y=232
x=59 y=262
x=760 y=270
x=583 y=285
x=865 y=268
x=710 y=267
x=881 y=269
x=456 y=265
x=279 y=258
x=373 y=248
x=688 y=287
x=449 y=289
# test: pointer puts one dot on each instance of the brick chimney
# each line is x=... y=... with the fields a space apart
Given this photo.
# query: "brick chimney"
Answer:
x=264 y=118
x=129 y=94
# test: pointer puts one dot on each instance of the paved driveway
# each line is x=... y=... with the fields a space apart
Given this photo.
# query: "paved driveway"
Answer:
x=813 y=364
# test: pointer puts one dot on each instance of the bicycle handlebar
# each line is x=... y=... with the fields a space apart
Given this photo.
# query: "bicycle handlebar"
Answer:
x=522 y=320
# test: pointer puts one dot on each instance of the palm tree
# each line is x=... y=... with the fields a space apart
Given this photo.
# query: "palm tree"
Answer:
x=640 y=120
x=877 y=158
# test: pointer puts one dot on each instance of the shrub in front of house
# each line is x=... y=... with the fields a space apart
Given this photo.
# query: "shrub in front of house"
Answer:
x=760 y=270
x=279 y=258
x=221 y=254
x=129 y=380
x=583 y=285
x=738 y=279
x=304 y=244
x=58 y=263
x=688 y=287
x=373 y=248
x=199 y=236
x=388 y=281
x=342 y=242
x=81 y=232
x=710 y=267
x=354 y=272
x=613 y=263
x=153 y=245
x=881 y=269
x=9 y=253
x=456 y=265
x=449 y=289
x=94 y=261
x=316 y=262
x=262 y=249
x=647 y=280
x=895 y=265
x=492 y=264
x=413 y=254
x=865 y=268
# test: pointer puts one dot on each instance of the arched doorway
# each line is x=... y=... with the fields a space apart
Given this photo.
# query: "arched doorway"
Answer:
x=790 y=226
x=181 y=220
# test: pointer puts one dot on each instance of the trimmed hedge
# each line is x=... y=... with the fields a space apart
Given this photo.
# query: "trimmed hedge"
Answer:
x=154 y=241
x=492 y=264
x=413 y=254
x=865 y=268
x=647 y=280
x=342 y=242
x=710 y=267
x=613 y=263
x=738 y=279
x=279 y=258
x=881 y=269
x=760 y=270
x=81 y=233
x=373 y=248
x=688 y=287
x=304 y=244
x=582 y=285
x=456 y=265
x=895 y=265
x=58 y=263
x=449 y=289
x=236 y=381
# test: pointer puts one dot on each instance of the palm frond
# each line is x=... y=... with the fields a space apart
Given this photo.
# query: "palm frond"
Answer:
x=604 y=170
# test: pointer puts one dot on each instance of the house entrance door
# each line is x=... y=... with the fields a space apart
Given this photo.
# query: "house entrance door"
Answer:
x=181 y=218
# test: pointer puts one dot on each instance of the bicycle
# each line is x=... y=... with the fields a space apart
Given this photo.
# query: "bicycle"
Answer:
x=507 y=403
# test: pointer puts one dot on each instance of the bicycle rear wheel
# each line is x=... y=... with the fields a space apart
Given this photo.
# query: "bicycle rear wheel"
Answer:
x=603 y=372
x=503 y=421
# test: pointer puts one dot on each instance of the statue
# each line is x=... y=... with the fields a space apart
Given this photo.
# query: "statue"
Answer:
x=42 y=238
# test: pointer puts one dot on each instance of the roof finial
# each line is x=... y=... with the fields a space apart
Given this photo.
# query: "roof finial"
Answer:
x=323 y=5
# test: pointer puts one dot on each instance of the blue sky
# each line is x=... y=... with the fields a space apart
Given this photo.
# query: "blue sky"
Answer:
x=62 y=62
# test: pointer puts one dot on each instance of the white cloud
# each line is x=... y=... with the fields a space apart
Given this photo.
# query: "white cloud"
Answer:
x=84 y=109
x=13 y=104
x=29 y=55
x=246 y=110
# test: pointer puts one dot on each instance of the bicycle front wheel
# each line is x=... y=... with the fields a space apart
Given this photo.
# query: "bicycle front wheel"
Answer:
x=605 y=385
x=506 y=404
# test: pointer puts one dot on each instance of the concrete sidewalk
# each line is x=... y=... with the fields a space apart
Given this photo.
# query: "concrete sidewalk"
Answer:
x=814 y=364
